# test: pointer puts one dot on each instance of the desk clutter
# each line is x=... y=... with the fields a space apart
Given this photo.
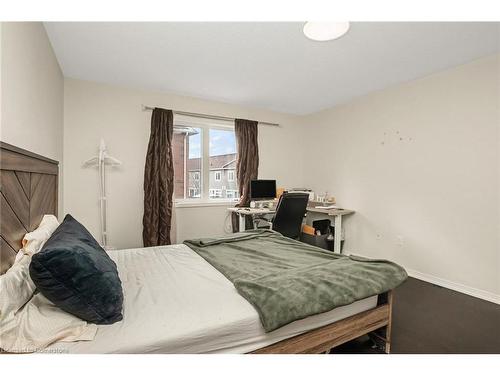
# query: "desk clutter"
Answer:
x=297 y=213
x=321 y=234
x=321 y=199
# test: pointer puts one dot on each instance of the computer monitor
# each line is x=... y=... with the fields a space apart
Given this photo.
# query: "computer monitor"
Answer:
x=262 y=189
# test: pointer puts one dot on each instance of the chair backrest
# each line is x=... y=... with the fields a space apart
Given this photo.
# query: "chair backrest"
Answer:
x=290 y=213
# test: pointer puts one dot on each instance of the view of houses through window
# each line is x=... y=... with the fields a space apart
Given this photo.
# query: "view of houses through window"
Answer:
x=189 y=153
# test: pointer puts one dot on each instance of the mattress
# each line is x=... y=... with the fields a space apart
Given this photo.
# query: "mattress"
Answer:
x=176 y=302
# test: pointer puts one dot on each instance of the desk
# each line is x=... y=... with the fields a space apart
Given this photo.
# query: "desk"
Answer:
x=244 y=211
x=336 y=213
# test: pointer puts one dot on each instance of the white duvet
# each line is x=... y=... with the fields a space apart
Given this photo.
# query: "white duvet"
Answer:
x=175 y=302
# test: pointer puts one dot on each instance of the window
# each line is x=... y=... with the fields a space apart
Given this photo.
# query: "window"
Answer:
x=222 y=150
x=231 y=194
x=186 y=150
x=215 y=193
x=204 y=156
x=194 y=193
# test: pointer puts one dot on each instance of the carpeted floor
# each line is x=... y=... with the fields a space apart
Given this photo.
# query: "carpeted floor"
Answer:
x=428 y=319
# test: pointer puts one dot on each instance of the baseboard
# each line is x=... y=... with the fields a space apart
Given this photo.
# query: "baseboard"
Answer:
x=474 y=292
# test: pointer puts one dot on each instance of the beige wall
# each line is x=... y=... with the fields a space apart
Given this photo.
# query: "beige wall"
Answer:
x=419 y=163
x=32 y=91
x=92 y=111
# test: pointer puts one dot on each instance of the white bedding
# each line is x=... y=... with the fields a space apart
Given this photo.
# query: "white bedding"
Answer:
x=176 y=302
x=29 y=321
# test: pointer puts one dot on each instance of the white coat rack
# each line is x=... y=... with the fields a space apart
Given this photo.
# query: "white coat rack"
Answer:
x=101 y=161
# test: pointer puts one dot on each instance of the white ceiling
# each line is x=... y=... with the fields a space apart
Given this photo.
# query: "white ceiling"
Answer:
x=266 y=65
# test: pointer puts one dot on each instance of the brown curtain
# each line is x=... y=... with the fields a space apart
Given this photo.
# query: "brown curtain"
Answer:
x=158 y=180
x=247 y=166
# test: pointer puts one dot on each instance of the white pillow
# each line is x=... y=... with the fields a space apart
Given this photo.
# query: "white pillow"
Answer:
x=33 y=241
x=41 y=323
x=16 y=286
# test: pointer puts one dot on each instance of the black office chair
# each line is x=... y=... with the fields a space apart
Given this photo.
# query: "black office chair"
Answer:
x=290 y=212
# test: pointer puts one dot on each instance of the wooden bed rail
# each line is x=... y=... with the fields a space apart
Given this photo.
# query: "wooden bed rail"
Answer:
x=376 y=322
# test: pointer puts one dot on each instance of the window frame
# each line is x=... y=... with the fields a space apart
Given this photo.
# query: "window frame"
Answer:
x=230 y=175
x=204 y=124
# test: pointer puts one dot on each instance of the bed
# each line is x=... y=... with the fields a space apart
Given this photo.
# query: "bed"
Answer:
x=175 y=301
x=191 y=308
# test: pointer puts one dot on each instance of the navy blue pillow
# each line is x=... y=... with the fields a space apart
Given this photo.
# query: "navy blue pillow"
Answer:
x=77 y=275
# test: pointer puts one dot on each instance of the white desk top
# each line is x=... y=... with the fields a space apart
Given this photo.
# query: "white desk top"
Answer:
x=256 y=211
x=251 y=211
x=331 y=211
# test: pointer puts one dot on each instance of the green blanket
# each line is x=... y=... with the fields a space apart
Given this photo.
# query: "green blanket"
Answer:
x=286 y=280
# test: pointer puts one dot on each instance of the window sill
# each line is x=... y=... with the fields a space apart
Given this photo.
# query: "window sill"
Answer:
x=187 y=204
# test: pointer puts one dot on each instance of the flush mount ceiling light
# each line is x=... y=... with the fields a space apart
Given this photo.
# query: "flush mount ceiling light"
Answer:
x=323 y=31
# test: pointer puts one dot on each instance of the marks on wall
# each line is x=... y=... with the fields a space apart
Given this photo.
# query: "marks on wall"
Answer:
x=391 y=137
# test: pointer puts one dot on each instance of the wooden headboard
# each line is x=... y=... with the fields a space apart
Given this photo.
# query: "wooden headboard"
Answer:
x=28 y=191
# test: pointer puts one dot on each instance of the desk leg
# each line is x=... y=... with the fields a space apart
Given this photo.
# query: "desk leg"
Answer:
x=338 y=234
x=242 y=223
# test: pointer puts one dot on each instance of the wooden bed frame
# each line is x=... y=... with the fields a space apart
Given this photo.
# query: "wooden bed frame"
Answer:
x=29 y=191
x=376 y=322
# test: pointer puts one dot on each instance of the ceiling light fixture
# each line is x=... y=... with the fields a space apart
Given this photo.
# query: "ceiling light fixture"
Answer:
x=323 y=31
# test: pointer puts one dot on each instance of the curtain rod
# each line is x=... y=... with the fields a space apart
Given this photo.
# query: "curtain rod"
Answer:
x=202 y=115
